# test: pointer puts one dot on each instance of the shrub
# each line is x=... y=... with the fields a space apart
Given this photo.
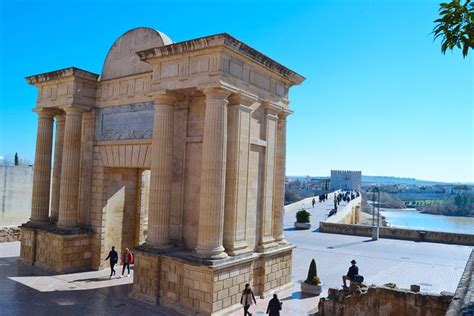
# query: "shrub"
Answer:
x=303 y=216
x=312 y=274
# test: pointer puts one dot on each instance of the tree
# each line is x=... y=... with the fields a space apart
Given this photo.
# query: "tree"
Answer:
x=456 y=26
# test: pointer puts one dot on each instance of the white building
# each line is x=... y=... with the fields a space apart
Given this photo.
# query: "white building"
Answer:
x=346 y=180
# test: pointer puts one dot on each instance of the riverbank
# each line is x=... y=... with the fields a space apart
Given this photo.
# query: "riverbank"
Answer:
x=414 y=219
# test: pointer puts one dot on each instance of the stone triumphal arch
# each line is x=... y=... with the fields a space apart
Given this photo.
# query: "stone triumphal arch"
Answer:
x=176 y=150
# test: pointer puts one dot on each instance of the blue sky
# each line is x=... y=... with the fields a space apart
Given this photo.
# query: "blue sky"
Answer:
x=379 y=96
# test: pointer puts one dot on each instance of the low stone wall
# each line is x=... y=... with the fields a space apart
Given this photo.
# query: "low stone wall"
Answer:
x=463 y=301
x=384 y=301
x=398 y=233
x=8 y=234
x=61 y=253
x=347 y=214
x=174 y=280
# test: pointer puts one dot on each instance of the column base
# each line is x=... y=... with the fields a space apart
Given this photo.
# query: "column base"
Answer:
x=50 y=248
x=213 y=254
x=193 y=286
x=237 y=249
x=39 y=222
x=282 y=241
x=267 y=244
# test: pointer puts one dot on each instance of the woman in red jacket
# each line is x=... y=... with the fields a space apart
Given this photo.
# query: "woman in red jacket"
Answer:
x=127 y=259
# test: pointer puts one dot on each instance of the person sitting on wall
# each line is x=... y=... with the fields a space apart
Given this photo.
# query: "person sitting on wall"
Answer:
x=353 y=271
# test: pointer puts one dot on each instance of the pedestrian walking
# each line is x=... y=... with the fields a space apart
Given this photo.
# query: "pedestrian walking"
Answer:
x=127 y=259
x=274 y=306
x=113 y=256
x=313 y=202
x=247 y=299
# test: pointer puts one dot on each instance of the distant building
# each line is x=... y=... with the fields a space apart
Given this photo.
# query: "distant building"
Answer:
x=346 y=180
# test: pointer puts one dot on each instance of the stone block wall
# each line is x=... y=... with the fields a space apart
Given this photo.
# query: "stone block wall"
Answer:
x=8 y=234
x=272 y=272
x=193 y=288
x=385 y=301
x=28 y=245
x=463 y=301
x=60 y=253
x=146 y=277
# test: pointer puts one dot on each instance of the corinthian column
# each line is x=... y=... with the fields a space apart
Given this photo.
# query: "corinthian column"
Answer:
x=213 y=170
x=279 y=181
x=69 y=191
x=42 y=168
x=161 y=172
x=58 y=154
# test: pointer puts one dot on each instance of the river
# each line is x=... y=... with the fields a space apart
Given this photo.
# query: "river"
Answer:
x=413 y=219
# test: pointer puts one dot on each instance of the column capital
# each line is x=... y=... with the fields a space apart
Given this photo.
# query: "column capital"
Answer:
x=45 y=112
x=89 y=115
x=282 y=116
x=165 y=98
x=243 y=98
x=73 y=111
x=59 y=117
x=216 y=92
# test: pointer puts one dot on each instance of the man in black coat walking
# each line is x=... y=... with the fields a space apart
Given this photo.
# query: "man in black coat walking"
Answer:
x=274 y=306
x=113 y=256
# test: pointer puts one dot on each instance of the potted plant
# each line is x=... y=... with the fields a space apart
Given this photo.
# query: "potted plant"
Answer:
x=303 y=219
x=312 y=285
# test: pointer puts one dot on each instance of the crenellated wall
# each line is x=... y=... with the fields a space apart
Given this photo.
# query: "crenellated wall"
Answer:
x=346 y=180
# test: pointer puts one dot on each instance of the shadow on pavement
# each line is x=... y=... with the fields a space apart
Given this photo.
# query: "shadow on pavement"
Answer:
x=349 y=244
x=297 y=296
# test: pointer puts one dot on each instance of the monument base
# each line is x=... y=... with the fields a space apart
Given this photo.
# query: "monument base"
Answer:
x=177 y=280
x=55 y=249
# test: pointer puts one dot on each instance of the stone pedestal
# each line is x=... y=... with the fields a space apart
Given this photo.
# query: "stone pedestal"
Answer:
x=207 y=287
x=55 y=250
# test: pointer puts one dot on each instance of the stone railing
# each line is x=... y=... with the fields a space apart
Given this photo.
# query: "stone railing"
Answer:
x=463 y=301
x=9 y=233
x=347 y=214
x=398 y=233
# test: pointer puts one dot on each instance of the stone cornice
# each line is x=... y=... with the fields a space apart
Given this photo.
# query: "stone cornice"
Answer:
x=62 y=73
x=224 y=40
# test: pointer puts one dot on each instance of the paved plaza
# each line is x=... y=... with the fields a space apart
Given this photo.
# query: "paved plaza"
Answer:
x=436 y=267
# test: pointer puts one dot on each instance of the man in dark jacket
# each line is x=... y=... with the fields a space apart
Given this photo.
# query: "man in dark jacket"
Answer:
x=113 y=256
x=353 y=271
x=274 y=306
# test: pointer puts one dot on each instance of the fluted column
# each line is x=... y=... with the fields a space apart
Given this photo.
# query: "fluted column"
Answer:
x=58 y=154
x=279 y=188
x=213 y=170
x=42 y=168
x=70 y=167
x=266 y=239
x=237 y=160
x=161 y=172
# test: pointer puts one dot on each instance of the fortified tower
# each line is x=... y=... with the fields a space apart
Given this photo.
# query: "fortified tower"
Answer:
x=176 y=150
x=346 y=180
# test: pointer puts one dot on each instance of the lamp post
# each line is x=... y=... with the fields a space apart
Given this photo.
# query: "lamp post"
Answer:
x=375 y=228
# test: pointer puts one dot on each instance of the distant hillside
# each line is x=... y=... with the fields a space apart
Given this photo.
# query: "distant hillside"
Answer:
x=387 y=180
x=383 y=180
